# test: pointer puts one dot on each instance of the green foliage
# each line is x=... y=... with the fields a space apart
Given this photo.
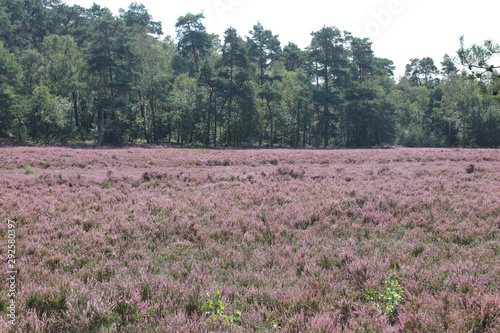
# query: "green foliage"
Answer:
x=47 y=115
x=138 y=18
x=329 y=56
x=276 y=326
x=9 y=67
x=264 y=48
x=49 y=304
x=215 y=310
x=10 y=80
x=125 y=312
x=73 y=74
x=214 y=307
x=490 y=127
x=194 y=42
x=478 y=58
x=185 y=99
x=462 y=107
x=29 y=170
x=240 y=114
x=421 y=72
x=62 y=64
x=388 y=300
x=367 y=117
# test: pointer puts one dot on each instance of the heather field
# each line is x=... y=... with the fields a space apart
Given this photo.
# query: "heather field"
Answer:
x=143 y=240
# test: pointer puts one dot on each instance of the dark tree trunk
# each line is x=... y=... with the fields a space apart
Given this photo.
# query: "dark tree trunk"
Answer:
x=75 y=109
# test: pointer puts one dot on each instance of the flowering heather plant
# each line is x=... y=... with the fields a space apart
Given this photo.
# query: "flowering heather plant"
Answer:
x=133 y=240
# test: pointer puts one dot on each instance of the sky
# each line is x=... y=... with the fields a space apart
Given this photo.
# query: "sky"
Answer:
x=399 y=29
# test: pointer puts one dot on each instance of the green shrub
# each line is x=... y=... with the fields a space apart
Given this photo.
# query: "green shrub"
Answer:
x=389 y=300
x=48 y=304
x=29 y=170
x=214 y=309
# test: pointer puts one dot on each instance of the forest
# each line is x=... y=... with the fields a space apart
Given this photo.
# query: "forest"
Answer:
x=72 y=75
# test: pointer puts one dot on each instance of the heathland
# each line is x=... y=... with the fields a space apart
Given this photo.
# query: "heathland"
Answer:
x=184 y=240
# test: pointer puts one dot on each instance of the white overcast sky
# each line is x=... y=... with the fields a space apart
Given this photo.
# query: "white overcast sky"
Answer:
x=399 y=29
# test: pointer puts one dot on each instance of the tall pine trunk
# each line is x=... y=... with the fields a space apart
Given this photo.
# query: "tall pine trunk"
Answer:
x=100 y=112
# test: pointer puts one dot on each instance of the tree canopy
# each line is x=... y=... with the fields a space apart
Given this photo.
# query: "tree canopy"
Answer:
x=70 y=74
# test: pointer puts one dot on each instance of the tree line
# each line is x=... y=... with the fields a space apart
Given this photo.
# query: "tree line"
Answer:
x=70 y=74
